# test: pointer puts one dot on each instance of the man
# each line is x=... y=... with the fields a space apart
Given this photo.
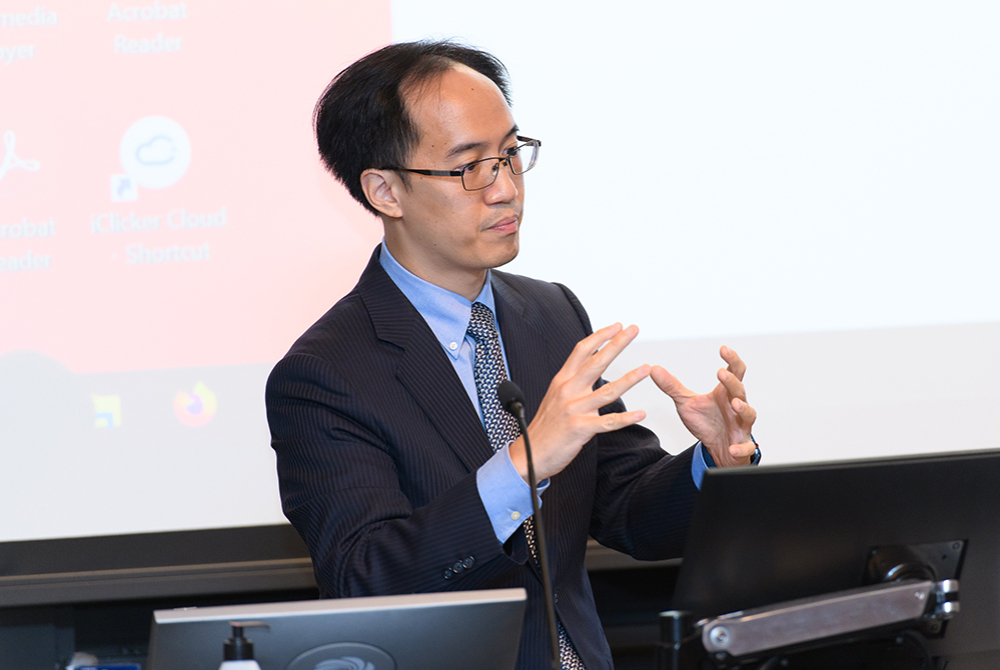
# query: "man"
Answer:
x=392 y=457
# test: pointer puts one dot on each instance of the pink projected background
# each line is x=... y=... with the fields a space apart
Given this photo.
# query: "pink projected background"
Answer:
x=161 y=200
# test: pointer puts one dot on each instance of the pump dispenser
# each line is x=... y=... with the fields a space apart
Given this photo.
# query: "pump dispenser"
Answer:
x=237 y=652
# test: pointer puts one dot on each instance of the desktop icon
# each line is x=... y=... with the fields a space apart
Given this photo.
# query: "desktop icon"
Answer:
x=10 y=158
x=196 y=408
x=155 y=152
x=107 y=411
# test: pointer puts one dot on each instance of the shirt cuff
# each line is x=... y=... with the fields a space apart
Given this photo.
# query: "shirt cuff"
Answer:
x=506 y=497
x=701 y=460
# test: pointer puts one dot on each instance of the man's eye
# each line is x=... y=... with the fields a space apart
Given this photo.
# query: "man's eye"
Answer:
x=470 y=168
x=513 y=151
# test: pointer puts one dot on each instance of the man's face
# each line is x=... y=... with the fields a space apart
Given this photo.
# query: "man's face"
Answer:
x=445 y=234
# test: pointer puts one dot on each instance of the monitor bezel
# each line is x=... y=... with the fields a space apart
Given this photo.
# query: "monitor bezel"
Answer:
x=428 y=631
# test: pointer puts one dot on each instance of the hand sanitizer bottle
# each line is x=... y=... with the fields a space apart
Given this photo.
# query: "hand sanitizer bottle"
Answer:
x=237 y=652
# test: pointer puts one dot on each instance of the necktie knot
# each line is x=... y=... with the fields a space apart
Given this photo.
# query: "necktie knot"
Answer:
x=482 y=327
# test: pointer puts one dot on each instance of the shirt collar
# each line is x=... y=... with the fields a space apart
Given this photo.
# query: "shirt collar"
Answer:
x=447 y=313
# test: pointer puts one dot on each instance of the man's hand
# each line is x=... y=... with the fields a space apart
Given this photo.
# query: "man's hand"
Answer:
x=568 y=416
x=721 y=419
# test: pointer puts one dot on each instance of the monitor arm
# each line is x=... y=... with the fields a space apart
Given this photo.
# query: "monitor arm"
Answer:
x=723 y=641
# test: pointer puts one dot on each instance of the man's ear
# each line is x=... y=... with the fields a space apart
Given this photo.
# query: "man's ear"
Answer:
x=381 y=187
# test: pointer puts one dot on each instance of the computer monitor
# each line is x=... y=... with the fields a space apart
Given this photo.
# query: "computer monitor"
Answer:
x=770 y=534
x=434 y=631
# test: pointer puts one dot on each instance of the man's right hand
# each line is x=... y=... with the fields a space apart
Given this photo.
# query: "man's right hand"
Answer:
x=568 y=416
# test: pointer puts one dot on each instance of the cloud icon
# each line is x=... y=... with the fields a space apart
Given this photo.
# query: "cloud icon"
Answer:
x=155 y=152
x=158 y=151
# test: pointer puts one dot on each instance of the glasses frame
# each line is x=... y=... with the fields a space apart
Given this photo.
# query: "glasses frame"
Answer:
x=525 y=142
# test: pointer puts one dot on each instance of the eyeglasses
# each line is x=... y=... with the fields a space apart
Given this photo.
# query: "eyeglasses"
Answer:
x=482 y=173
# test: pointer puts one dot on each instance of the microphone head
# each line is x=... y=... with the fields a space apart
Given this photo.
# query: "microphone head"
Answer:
x=510 y=396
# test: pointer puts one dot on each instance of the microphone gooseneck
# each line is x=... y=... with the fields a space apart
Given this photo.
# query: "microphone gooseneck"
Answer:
x=512 y=400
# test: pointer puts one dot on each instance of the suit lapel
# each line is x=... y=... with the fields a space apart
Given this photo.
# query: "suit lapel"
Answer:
x=424 y=369
x=525 y=344
x=531 y=366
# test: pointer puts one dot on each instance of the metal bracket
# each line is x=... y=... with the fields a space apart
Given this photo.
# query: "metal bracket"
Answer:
x=808 y=619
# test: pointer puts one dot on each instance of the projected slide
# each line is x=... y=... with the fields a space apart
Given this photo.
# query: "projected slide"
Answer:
x=160 y=189
x=814 y=185
x=166 y=231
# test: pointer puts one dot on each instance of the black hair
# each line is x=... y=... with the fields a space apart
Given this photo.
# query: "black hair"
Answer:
x=361 y=119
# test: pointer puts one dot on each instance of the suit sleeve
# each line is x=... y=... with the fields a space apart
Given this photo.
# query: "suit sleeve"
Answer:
x=344 y=488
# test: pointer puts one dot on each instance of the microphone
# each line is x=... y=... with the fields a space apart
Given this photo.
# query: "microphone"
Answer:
x=512 y=400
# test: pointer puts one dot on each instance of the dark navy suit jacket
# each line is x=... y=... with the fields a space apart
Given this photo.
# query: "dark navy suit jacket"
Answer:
x=378 y=444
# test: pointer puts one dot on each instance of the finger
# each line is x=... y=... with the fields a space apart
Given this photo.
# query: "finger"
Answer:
x=606 y=423
x=587 y=347
x=669 y=384
x=743 y=450
x=736 y=364
x=745 y=412
x=611 y=391
x=734 y=387
x=599 y=361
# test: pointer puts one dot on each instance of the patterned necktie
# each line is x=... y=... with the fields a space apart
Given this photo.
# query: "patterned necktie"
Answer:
x=501 y=427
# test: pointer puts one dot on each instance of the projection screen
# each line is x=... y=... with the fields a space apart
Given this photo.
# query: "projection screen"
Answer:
x=813 y=184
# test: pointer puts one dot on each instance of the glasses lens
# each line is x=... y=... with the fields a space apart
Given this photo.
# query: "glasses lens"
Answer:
x=480 y=174
x=524 y=158
x=483 y=173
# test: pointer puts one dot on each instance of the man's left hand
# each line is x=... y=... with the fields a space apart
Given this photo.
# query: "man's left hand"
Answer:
x=722 y=419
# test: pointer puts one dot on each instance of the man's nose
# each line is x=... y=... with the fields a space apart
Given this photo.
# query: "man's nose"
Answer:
x=504 y=189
